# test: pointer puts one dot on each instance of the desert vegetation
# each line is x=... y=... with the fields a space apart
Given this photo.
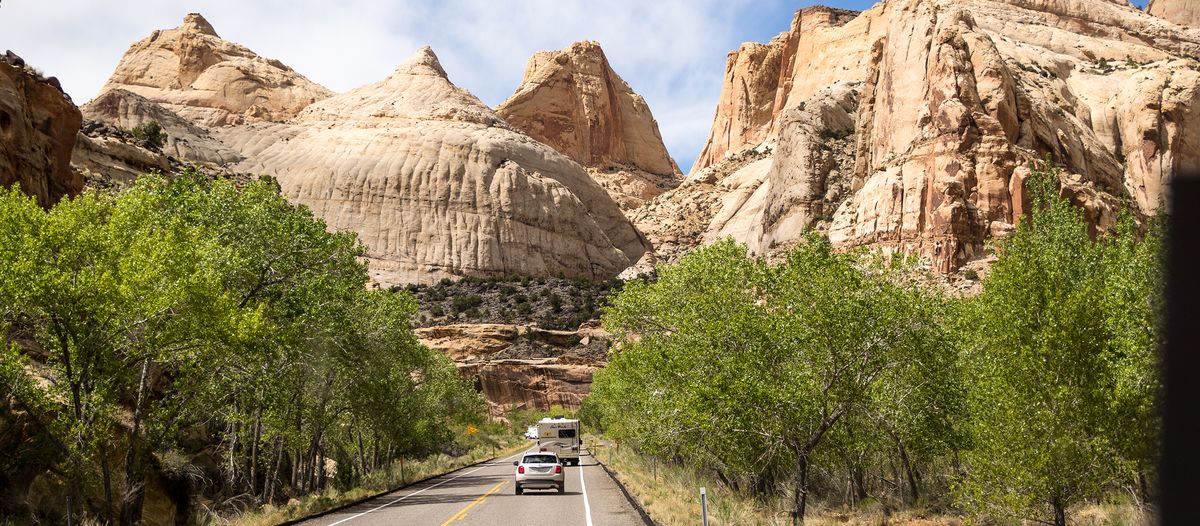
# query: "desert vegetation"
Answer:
x=188 y=344
x=550 y=303
x=830 y=379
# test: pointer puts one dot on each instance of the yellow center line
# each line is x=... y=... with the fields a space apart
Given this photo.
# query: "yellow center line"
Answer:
x=460 y=515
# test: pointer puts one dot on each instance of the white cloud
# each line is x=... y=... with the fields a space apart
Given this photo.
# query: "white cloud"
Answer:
x=671 y=51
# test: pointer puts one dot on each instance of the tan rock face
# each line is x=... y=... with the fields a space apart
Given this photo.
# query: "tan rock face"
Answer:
x=185 y=140
x=522 y=367
x=194 y=73
x=573 y=101
x=760 y=78
x=945 y=103
x=437 y=185
x=1182 y=12
x=38 y=125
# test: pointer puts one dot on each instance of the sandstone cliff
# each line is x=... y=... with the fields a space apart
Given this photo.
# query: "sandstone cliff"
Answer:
x=909 y=127
x=1182 y=12
x=573 y=101
x=38 y=125
x=523 y=367
x=437 y=185
x=194 y=73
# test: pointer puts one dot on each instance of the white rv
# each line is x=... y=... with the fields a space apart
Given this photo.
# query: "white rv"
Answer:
x=561 y=436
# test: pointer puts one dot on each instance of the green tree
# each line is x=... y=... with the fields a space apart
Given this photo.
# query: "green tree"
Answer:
x=733 y=365
x=151 y=134
x=1062 y=363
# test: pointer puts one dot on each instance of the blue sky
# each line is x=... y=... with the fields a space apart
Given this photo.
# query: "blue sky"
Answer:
x=671 y=51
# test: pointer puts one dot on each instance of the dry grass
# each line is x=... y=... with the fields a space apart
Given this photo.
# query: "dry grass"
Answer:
x=672 y=498
x=380 y=481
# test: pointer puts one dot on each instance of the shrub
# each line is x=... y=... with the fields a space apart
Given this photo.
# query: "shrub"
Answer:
x=463 y=303
x=151 y=134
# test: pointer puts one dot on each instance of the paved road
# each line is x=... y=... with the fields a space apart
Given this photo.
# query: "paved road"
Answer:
x=484 y=495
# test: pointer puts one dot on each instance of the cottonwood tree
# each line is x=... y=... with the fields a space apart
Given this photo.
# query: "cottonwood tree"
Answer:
x=187 y=306
x=743 y=368
x=1063 y=362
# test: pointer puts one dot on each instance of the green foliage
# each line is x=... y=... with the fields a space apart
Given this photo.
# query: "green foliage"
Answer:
x=823 y=372
x=190 y=306
x=1062 y=363
x=465 y=303
x=748 y=369
x=151 y=134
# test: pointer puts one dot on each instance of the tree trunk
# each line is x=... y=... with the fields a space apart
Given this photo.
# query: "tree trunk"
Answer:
x=257 y=435
x=135 y=485
x=273 y=474
x=800 y=497
x=909 y=473
x=1060 y=512
x=106 y=478
x=858 y=481
x=362 y=455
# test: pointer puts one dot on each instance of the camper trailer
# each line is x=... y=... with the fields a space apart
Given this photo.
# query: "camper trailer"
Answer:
x=561 y=436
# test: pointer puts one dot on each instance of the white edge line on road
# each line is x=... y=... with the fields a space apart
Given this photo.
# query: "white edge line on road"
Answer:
x=347 y=519
x=587 y=508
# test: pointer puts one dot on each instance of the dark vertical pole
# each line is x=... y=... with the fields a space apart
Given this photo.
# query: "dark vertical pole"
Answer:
x=1181 y=422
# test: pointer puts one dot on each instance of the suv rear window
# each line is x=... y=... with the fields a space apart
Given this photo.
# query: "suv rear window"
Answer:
x=540 y=459
x=566 y=433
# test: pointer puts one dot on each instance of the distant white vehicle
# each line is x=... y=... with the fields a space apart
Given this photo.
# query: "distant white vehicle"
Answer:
x=531 y=433
x=560 y=436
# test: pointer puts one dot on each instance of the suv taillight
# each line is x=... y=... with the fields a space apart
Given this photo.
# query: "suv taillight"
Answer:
x=558 y=469
x=520 y=469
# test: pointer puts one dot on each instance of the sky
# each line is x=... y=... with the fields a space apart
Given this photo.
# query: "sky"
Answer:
x=672 y=52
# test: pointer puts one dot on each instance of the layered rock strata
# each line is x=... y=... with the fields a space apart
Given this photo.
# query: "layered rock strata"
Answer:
x=523 y=367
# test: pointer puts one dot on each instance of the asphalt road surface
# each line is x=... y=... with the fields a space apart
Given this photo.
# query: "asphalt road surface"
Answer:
x=484 y=495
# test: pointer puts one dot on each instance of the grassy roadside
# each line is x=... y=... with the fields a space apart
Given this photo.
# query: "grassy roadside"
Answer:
x=670 y=495
x=382 y=480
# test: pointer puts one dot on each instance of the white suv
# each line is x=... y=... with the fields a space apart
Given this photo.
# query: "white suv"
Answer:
x=540 y=471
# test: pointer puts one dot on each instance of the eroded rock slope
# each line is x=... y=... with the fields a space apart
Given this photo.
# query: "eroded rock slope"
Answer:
x=910 y=127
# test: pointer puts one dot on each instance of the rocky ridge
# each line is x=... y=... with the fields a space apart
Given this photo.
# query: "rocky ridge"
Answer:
x=573 y=101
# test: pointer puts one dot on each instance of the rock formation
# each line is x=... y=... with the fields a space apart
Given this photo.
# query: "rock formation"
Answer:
x=38 y=125
x=107 y=157
x=210 y=81
x=1182 y=12
x=437 y=185
x=433 y=181
x=523 y=367
x=185 y=140
x=573 y=101
x=910 y=127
